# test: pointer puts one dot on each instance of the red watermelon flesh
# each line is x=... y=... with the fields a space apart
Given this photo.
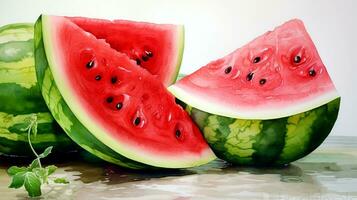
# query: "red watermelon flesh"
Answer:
x=276 y=75
x=155 y=47
x=121 y=104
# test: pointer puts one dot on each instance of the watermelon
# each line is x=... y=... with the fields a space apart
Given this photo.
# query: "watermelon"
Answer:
x=270 y=102
x=156 y=47
x=133 y=122
x=20 y=97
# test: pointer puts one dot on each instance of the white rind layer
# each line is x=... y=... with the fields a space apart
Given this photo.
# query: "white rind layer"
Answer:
x=269 y=112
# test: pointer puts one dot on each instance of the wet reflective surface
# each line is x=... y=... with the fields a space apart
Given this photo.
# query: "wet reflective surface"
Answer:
x=328 y=173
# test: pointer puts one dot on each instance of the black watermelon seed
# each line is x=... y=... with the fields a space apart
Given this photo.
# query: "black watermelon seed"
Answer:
x=228 y=70
x=98 y=77
x=262 y=81
x=256 y=59
x=138 y=61
x=178 y=133
x=149 y=54
x=137 y=121
x=312 y=72
x=250 y=76
x=90 y=64
x=297 y=59
x=119 y=105
x=114 y=79
x=110 y=99
x=145 y=58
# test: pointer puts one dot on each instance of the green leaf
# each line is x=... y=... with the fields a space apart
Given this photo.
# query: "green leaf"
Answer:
x=34 y=164
x=41 y=173
x=33 y=176
x=15 y=169
x=47 y=151
x=61 y=180
x=50 y=169
x=18 y=180
x=32 y=184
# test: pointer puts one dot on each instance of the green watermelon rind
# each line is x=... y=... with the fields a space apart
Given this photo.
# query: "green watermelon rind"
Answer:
x=92 y=137
x=267 y=142
x=181 y=47
x=14 y=139
x=10 y=29
x=17 y=71
x=21 y=98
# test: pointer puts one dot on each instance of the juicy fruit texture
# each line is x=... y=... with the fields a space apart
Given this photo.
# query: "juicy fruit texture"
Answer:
x=20 y=97
x=276 y=75
x=155 y=47
x=278 y=104
x=109 y=105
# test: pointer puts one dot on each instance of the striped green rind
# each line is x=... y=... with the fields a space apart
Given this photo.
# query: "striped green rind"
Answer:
x=267 y=142
x=64 y=116
x=20 y=97
x=16 y=32
x=19 y=93
x=13 y=137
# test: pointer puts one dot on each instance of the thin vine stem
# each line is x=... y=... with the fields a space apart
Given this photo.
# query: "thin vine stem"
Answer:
x=29 y=130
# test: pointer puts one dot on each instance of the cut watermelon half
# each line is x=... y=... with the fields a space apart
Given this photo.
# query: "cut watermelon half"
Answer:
x=276 y=75
x=108 y=104
x=271 y=101
x=155 y=47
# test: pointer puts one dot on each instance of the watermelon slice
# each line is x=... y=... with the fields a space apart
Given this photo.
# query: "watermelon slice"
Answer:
x=108 y=104
x=271 y=101
x=155 y=47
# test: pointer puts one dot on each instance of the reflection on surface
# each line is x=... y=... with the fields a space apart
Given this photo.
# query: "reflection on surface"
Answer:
x=328 y=173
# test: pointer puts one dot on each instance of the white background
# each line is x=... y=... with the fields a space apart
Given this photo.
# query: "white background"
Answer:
x=215 y=28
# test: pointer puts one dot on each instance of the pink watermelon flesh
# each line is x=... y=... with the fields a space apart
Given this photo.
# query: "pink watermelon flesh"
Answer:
x=277 y=74
x=155 y=47
x=121 y=104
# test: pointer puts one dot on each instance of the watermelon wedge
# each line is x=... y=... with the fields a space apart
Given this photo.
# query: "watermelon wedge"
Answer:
x=109 y=105
x=269 y=102
x=155 y=47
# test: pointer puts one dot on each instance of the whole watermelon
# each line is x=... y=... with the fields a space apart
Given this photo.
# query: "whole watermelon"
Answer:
x=20 y=97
